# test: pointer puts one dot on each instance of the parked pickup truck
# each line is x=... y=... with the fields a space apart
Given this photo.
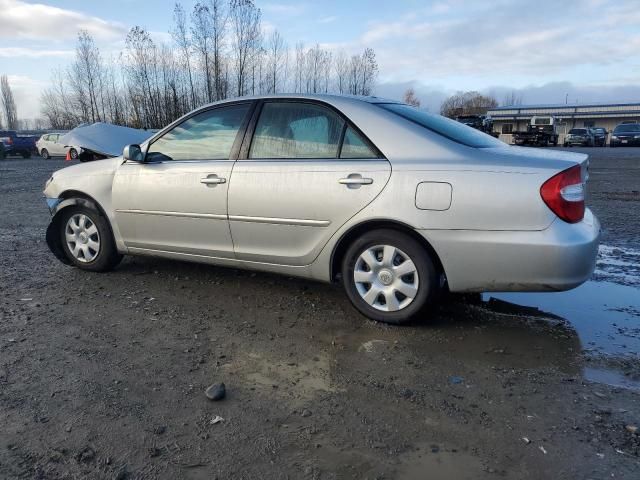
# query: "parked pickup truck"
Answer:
x=540 y=132
x=17 y=145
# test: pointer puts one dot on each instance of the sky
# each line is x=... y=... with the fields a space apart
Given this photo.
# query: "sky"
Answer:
x=546 y=51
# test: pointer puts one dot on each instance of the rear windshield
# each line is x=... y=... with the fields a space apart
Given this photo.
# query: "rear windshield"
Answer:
x=578 y=131
x=446 y=127
x=632 y=127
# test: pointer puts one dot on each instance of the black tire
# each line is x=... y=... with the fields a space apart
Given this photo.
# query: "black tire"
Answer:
x=45 y=154
x=107 y=257
x=73 y=153
x=428 y=275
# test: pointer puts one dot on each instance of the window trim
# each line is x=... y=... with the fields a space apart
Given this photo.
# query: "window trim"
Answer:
x=251 y=128
x=235 y=148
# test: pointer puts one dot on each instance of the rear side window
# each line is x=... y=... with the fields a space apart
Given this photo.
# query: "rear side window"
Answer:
x=354 y=146
x=296 y=130
x=446 y=127
x=206 y=136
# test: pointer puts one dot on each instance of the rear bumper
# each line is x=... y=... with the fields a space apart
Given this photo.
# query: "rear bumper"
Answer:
x=561 y=257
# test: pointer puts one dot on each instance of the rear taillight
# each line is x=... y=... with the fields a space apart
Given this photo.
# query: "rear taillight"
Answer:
x=564 y=194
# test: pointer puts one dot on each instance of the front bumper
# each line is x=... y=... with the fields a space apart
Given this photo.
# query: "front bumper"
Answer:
x=561 y=257
x=628 y=142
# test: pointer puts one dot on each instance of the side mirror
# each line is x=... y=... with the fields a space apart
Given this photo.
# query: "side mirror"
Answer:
x=133 y=152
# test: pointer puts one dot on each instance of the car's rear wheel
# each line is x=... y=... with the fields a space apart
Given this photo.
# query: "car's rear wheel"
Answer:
x=73 y=154
x=389 y=276
x=44 y=154
x=87 y=240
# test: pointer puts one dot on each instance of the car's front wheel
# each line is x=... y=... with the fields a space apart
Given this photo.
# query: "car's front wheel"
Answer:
x=389 y=276
x=87 y=240
x=44 y=154
x=73 y=154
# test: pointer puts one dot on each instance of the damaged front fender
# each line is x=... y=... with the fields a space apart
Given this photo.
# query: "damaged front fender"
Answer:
x=53 y=236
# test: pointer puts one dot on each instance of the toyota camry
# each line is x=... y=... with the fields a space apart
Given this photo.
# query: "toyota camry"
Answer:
x=395 y=203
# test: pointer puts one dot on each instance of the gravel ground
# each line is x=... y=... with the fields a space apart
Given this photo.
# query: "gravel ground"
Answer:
x=103 y=375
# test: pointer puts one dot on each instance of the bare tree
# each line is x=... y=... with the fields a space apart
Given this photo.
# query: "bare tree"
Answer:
x=245 y=19
x=86 y=77
x=202 y=31
x=341 y=67
x=183 y=42
x=467 y=103
x=277 y=60
x=410 y=98
x=8 y=103
x=219 y=18
x=299 y=68
x=369 y=71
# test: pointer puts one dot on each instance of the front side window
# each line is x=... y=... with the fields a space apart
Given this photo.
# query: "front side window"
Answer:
x=206 y=136
x=443 y=126
x=296 y=130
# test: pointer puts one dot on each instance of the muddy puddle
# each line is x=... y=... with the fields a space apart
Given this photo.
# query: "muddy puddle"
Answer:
x=605 y=313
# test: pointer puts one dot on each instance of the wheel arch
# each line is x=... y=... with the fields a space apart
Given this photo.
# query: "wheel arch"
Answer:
x=354 y=232
x=70 y=198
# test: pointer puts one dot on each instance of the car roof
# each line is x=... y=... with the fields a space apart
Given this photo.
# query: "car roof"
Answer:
x=333 y=99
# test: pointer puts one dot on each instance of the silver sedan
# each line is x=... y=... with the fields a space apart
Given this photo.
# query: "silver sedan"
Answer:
x=396 y=203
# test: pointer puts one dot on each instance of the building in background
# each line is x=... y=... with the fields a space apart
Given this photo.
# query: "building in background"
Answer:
x=606 y=115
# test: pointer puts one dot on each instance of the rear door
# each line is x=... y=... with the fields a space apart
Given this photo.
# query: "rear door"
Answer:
x=301 y=175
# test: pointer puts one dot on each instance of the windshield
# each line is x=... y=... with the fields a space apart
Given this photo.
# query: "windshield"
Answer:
x=578 y=131
x=632 y=127
x=456 y=131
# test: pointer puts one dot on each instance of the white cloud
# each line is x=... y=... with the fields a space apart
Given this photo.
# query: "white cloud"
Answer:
x=283 y=8
x=44 y=22
x=22 y=52
x=498 y=39
x=329 y=19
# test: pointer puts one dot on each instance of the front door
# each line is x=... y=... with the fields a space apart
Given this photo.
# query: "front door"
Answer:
x=176 y=200
x=305 y=174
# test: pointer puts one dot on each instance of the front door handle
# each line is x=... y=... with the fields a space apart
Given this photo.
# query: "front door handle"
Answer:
x=213 y=179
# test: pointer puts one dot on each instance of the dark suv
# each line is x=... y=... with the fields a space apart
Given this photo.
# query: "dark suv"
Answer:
x=626 y=135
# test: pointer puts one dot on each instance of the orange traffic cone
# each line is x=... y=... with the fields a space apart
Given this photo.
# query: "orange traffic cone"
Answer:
x=68 y=157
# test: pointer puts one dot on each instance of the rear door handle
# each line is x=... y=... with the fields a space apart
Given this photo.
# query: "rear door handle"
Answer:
x=356 y=181
x=212 y=179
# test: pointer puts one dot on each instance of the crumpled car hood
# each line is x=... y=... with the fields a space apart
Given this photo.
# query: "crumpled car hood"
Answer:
x=104 y=138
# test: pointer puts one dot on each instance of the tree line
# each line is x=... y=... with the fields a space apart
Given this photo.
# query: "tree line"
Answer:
x=218 y=50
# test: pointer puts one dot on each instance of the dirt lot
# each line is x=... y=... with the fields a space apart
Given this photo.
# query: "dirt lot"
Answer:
x=103 y=375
